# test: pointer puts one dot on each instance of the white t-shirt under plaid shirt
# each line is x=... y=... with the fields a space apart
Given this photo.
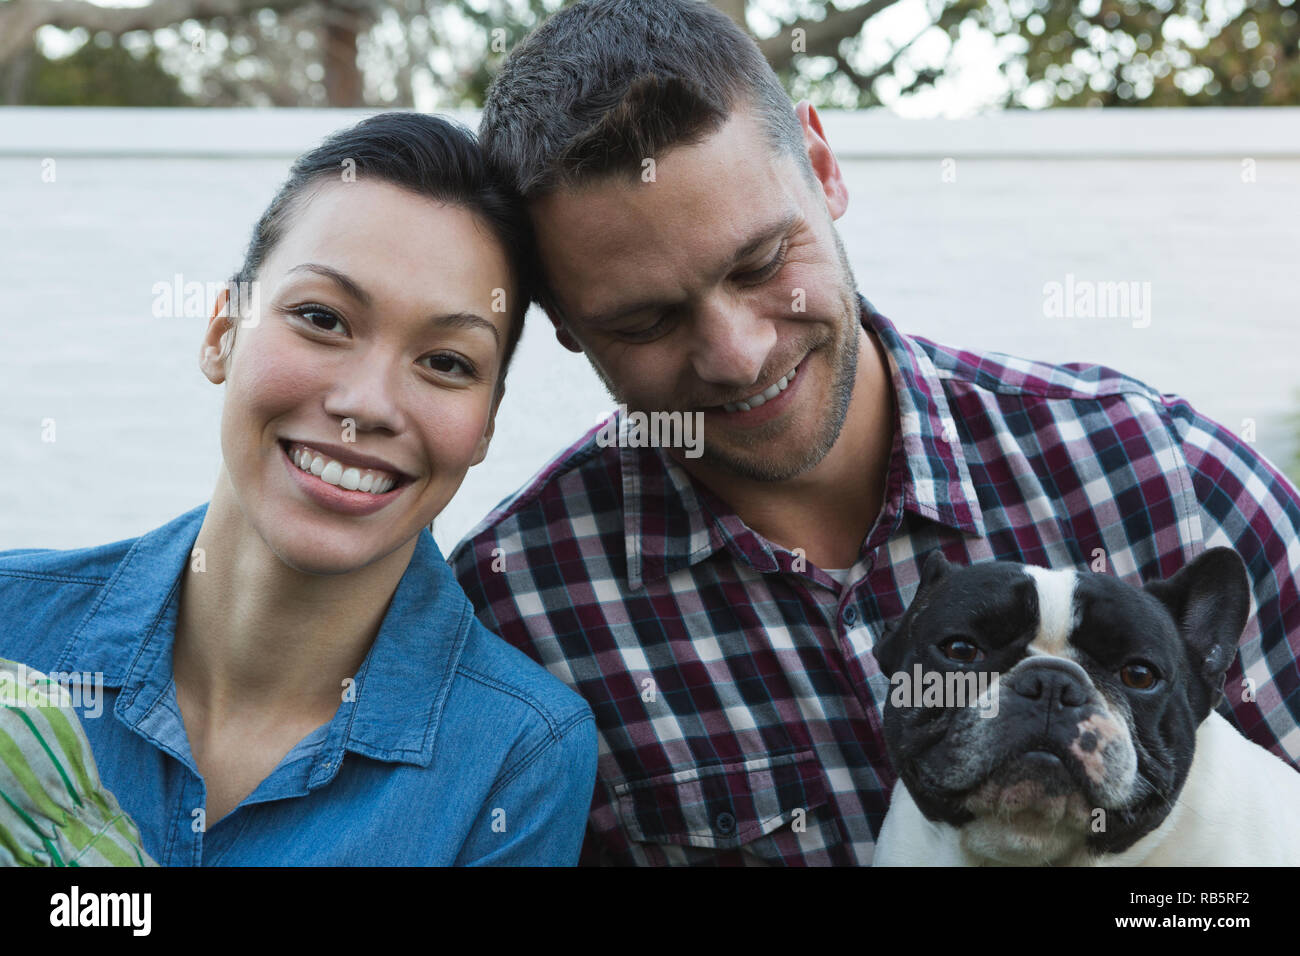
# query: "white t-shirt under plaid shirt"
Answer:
x=737 y=702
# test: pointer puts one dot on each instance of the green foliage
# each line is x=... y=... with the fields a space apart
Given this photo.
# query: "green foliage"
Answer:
x=1292 y=469
x=1108 y=53
x=1089 y=53
x=102 y=75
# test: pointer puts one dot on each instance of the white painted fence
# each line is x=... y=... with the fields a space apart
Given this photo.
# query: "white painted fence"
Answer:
x=954 y=229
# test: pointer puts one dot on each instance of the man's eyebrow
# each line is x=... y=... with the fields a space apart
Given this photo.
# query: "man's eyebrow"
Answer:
x=762 y=238
x=454 y=320
x=755 y=242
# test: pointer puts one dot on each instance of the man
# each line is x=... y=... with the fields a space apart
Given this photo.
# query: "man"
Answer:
x=718 y=611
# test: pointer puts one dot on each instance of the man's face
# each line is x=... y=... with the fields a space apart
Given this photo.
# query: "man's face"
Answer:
x=707 y=286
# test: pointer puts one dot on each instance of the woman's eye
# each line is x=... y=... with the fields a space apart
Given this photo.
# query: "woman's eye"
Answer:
x=451 y=365
x=961 y=651
x=320 y=318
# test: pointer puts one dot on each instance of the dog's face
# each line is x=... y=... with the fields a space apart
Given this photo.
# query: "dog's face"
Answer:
x=1092 y=693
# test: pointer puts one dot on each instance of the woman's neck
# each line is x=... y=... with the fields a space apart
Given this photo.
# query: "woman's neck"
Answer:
x=257 y=637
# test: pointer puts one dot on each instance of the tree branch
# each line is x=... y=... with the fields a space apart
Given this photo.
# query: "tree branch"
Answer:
x=19 y=19
x=821 y=37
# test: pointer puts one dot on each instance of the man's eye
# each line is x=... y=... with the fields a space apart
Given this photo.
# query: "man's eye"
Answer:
x=320 y=318
x=768 y=270
x=653 y=331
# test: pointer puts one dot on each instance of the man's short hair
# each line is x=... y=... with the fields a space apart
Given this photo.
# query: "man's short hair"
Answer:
x=606 y=84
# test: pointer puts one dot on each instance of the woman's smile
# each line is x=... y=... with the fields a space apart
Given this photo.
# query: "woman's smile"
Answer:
x=319 y=481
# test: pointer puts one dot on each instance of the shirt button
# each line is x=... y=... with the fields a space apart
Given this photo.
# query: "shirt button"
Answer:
x=850 y=614
x=725 y=823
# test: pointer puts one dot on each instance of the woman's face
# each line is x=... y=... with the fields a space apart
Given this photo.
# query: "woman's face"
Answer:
x=372 y=359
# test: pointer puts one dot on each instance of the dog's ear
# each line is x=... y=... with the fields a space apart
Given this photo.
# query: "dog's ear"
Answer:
x=1209 y=600
x=937 y=567
x=889 y=649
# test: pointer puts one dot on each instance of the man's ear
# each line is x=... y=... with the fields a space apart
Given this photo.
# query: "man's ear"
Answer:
x=1209 y=600
x=562 y=335
x=212 y=360
x=824 y=164
x=481 y=452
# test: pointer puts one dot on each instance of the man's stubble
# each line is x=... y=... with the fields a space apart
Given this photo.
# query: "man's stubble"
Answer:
x=760 y=464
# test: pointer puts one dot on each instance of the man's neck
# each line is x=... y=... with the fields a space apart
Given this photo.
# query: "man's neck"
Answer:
x=828 y=510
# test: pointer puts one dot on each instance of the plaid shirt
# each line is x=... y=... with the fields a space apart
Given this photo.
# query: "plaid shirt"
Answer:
x=737 y=702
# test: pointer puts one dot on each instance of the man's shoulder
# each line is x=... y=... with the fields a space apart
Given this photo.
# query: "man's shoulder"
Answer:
x=1008 y=374
x=579 y=484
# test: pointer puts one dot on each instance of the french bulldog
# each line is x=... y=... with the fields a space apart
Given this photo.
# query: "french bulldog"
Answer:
x=1087 y=735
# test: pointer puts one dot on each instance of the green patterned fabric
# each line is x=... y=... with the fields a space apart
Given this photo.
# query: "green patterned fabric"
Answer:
x=54 y=811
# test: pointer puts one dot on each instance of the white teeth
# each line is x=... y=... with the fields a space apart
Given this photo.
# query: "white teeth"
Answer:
x=336 y=473
x=769 y=393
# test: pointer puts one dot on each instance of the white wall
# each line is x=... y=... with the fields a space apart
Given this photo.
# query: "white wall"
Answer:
x=1150 y=196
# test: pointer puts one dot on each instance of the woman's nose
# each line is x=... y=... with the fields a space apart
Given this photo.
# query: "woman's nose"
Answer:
x=365 y=391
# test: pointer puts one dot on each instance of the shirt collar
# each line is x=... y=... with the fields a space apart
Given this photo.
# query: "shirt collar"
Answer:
x=401 y=687
x=671 y=521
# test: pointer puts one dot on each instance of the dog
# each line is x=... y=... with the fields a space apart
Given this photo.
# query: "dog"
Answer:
x=1088 y=734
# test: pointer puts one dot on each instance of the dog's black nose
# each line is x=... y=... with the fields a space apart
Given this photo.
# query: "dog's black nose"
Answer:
x=1054 y=684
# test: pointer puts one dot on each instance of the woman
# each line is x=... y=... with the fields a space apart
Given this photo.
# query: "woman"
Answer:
x=290 y=673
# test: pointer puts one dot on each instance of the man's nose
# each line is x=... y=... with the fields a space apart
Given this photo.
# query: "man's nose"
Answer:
x=731 y=343
x=365 y=390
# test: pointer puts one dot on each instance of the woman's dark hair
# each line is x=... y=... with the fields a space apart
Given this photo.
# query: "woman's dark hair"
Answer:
x=430 y=156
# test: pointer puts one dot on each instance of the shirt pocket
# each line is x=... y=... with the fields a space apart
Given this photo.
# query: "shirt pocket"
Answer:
x=722 y=806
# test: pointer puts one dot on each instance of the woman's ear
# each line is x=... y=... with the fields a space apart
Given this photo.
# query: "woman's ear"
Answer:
x=486 y=440
x=213 y=355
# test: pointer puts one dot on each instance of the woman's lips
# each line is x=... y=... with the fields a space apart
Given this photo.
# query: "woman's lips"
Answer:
x=334 y=498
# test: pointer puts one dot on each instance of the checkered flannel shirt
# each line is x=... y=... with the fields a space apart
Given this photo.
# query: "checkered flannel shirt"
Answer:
x=737 y=702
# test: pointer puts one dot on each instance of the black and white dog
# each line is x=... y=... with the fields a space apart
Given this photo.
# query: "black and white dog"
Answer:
x=1090 y=737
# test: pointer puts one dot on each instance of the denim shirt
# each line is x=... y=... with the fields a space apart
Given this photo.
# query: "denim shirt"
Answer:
x=450 y=746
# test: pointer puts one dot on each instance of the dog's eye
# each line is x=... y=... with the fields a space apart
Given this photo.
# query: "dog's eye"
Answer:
x=961 y=651
x=1139 y=675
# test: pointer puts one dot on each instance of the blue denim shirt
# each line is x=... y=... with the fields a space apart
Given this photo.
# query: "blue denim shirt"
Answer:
x=454 y=748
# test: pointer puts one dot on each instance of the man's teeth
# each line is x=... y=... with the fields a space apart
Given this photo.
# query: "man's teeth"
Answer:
x=344 y=476
x=769 y=393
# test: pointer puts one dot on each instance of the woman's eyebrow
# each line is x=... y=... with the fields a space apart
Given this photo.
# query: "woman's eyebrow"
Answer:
x=465 y=320
x=456 y=320
x=348 y=285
